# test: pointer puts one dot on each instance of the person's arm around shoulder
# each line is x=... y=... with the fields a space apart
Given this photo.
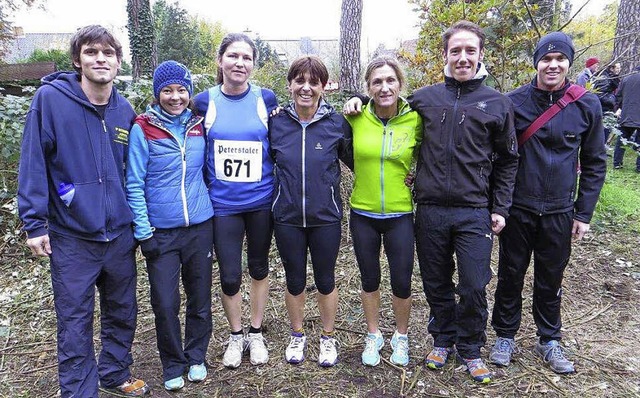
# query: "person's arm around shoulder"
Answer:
x=345 y=146
x=33 y=187
x=354 y=105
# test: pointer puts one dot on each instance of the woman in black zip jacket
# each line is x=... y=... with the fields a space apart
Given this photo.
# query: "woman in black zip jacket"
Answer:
x=307 y=138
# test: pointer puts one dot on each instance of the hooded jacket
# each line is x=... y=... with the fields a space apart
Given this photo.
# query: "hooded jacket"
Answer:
x=383 y=156
x=307 y=170
x=165 y=182
x=468 y=156
x=547 y=171
x=67 y=141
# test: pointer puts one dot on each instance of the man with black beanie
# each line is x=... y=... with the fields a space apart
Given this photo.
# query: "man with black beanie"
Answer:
x=549 y=208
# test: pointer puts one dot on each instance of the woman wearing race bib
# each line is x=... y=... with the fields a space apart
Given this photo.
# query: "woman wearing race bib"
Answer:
x=307 y=138
x=240 y=181
x=386 y=136
x=172 y=220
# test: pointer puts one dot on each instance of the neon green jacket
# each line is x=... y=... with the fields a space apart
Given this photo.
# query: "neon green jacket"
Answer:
x=383 y=156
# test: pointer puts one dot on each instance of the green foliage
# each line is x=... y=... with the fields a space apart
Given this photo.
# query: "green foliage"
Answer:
x=593 y=36
x=61 y=58
x=619 y=203
x=273 y=75
x=141 y=37
x=210 y=36
x=266 y=54
x=186 y=39
x=13 y=112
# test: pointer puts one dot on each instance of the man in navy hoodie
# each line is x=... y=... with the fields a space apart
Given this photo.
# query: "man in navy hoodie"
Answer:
x=72 y=202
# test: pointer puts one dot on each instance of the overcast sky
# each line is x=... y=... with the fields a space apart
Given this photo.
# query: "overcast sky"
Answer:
x=384 y=21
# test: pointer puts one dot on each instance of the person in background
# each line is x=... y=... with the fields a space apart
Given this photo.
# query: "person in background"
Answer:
x=72 y=202
x=386 y=137
x=463 y=185
x=239 y=176
x=307 y=138
x=550 y=205
x=172 y=220
x=628 y=102
x=591 y=66
x=605 y=87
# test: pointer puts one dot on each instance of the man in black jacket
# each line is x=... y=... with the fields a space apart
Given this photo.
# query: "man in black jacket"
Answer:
x=463 y=186
x=628 y=100
x=546 y=212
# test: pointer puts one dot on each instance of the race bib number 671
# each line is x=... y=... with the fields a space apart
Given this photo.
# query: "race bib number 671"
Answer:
x=238 y=161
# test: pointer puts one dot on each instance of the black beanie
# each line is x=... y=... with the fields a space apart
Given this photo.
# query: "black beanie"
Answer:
x=554 y=42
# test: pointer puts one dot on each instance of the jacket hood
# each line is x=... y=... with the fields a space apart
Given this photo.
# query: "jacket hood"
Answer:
x=323 y=109
x=481 y=73
x=156 y=110
x=68 y=83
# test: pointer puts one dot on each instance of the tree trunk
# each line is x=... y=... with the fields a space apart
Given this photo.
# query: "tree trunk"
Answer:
x=141 y=38
x=627 y=41
x=350 y=32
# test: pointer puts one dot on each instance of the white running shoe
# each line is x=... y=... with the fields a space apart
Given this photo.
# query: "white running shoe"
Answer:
x=258 y=353
x=295 y=350
x=235 y=347
x=328 y=353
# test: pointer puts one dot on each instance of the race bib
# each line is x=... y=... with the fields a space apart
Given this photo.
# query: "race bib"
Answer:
x=238 y=161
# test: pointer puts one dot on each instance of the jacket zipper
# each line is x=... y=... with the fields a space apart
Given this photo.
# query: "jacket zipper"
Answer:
x=183 y=160
x=382 y=154
x=333 y=199
x=304 y=177
x=450 y=147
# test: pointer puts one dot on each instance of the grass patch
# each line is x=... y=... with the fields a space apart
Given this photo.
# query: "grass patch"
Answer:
x=619 y=203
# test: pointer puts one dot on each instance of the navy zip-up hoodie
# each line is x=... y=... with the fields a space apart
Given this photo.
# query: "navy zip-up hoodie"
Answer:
x=67 y=141
x=307 y=170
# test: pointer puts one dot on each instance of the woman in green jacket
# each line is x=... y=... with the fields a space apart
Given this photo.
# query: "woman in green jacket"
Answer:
x=386 y=135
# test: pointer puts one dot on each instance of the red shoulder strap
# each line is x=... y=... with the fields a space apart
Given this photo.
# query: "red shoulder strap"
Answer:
x=573 y=93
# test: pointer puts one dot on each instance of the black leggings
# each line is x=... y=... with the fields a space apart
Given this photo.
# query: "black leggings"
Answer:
x=367 y=234
x=323 y=243
x=228 y=233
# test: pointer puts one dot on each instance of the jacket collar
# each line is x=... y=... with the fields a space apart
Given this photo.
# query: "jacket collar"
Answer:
x=469 y=85
x=545 y=97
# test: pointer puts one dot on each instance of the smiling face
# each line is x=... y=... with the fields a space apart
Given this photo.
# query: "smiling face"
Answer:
x=98 y=63
x=552 y=70
x=306 y=92
x=384 y=89
x=236 y=64
x=463 y=54
x=174 y=99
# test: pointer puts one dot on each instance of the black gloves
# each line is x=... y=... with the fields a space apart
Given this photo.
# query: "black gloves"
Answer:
x=150 y=248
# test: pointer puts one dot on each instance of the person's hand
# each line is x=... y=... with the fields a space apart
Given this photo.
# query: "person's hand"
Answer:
x=497 y=223
x=150 y=248
x=40 y=245
x=352 y=107
x=409 y=179
x=618 y=112
x=579 y=229
x=275 y=111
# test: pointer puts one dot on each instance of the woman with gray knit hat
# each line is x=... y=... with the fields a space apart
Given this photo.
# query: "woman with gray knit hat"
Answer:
x=172 y=220
x=550 y=208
